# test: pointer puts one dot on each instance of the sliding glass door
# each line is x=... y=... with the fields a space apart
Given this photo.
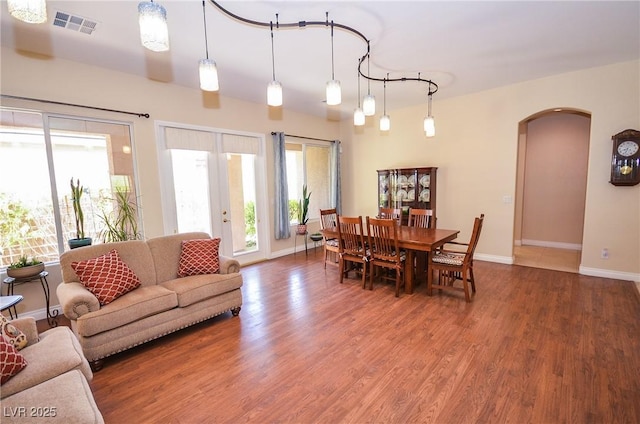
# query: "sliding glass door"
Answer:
x=211 y=181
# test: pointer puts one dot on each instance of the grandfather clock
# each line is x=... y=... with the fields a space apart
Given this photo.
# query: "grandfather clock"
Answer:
x=625 y=159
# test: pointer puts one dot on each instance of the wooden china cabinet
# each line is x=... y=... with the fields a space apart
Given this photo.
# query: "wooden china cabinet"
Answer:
x=407 y=188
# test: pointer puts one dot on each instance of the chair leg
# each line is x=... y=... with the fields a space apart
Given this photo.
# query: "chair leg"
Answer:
x=473 y=280
x=466 y=287
x=371 y=272
x=364 y=275
x=341 y=270
x=397 y=282
x=326 y=253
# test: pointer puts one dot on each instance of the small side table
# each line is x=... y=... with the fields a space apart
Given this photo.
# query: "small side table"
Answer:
x=316 y=238
x=8 y=302
x=295 y=243
x=11 y=282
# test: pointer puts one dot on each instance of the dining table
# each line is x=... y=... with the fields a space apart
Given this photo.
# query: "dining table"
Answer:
x=412 y=240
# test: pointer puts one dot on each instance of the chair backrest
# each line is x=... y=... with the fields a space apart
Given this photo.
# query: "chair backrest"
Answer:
x=391 y=213
x=422 y=218
x=351 y=234
x=383 y=239
x=475 y=235
x=328 y=219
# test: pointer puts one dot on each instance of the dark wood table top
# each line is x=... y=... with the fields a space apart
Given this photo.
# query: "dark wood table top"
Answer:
x=415 y=238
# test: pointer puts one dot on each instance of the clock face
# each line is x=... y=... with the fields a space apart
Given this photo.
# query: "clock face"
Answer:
x=628 y=148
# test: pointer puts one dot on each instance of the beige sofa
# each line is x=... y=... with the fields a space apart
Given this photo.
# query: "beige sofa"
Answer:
x=53 y=387
x=162 y=304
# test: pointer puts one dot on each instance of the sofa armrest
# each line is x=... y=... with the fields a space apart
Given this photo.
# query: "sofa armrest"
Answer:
x=228 y=265
x=76 y=300
x=28 y=326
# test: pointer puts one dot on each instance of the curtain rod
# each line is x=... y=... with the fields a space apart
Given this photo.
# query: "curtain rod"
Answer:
x=307 y=138
x=139 y=115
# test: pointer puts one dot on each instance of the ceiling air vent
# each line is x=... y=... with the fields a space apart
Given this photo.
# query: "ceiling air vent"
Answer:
x=75 y=23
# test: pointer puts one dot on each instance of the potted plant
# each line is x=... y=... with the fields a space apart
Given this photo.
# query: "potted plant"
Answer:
x=25 y=268
x=122 y=223
x=303 y=211
x=76 y=196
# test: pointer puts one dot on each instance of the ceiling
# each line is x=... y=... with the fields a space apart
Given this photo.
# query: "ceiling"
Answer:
x=464 y=47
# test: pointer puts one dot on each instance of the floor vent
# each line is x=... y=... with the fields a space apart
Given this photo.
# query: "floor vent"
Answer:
x=75 y=23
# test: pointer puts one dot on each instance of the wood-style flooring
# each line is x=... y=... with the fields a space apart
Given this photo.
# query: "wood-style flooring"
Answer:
x=534 y=346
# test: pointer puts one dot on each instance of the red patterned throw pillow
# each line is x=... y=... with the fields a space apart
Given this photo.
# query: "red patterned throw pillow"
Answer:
x=106 y=276
x=199 y=256
x=12 y=361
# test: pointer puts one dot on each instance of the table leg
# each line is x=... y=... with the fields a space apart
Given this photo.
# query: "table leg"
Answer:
x=51 y=317
x=408 y=272
x=429 y=275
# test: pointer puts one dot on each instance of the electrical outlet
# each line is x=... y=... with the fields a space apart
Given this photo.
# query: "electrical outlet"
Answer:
x=605 y=253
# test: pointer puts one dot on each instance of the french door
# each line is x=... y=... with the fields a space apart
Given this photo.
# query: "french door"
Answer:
x=214 y=181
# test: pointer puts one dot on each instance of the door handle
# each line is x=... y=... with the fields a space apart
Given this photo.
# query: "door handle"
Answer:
x=225 y=220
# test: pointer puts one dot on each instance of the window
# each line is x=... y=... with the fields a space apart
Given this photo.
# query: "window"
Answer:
x=41 y=154
x=310 y=164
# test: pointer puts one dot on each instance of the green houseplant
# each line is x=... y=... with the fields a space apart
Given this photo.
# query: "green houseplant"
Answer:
x=303 y=211
x=25 y=267
x=76 y=197
x=122 y=223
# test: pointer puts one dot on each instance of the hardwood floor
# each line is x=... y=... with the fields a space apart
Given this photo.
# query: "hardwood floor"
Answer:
x=534 y=346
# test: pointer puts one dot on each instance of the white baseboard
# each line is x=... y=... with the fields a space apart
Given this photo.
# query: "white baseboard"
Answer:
x=554 y=244
x=606 y=273
x=517 y=242
x=39 y=314
x=507 y=260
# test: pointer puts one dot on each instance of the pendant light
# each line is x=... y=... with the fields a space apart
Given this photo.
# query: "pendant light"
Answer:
x=274 y=89
x=154 y=33
x=385 y=120
x=369 y=103
x=29 y=11
x=208 y=69
x=358 y=114
x=429 y=122
x=334 y=93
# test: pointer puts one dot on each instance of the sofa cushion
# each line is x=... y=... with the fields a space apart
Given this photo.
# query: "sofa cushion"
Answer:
x=199 y=257
x=13 y=335
x=12 y=361
x=197 y=288
x=135 y=305
x=66 y=399
x=57 y=352
x=106 y=276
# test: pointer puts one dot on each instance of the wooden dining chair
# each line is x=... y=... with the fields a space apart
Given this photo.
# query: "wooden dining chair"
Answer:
x=329 y=221
x=352 y=247
x=454 y=265
x=391 y=213
x=421 y=218
x=384 y=250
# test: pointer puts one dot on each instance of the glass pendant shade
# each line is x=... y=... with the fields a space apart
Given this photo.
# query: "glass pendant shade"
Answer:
x=429 y=126
x=358 y=117
x=334 y=93
x=154 y=33
x=274 y=94
x=29 y=11
x=208 y=75
x=369 y=105
x=385 y=123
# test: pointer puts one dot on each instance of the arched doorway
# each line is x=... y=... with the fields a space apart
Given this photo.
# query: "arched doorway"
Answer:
x=553 y=150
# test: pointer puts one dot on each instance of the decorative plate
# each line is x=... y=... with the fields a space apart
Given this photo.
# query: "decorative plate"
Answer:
x=425 y=195
x=401 y=195
x=425 y=180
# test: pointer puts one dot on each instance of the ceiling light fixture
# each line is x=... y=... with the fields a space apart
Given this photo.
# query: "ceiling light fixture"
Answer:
x=207 y=68
x=385 y=120
x=154 y=33
x=29 y=11
x=358 y=114
x=333 y=86
x=369 y=102
x=334 y=93
x=429 y=122
x=274 y=89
